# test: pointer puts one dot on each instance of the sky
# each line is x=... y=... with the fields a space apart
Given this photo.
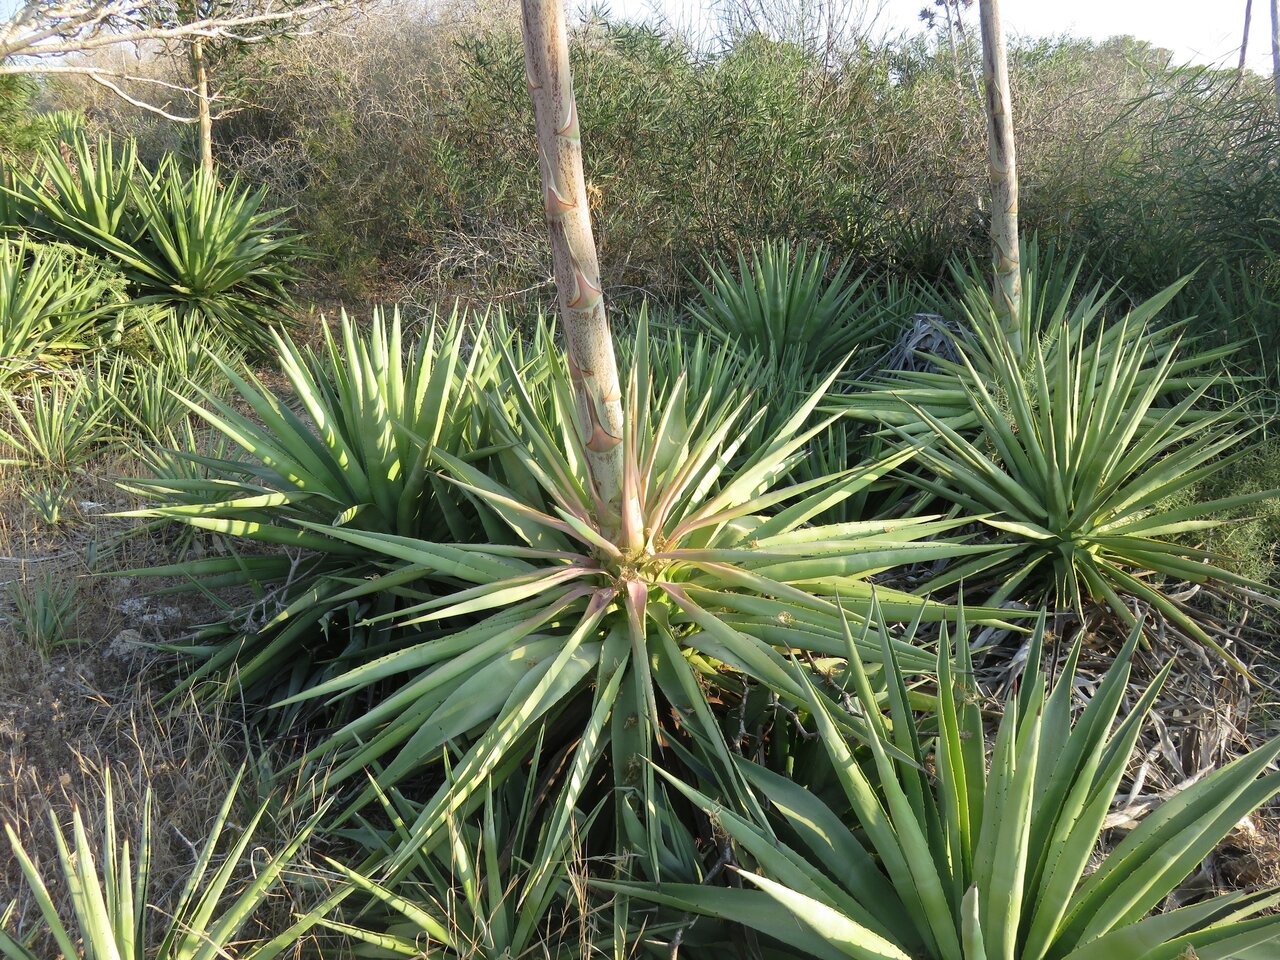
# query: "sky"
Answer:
x=1197 y=31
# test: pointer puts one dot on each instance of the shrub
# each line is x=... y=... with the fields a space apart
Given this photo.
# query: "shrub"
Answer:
x=952 y=858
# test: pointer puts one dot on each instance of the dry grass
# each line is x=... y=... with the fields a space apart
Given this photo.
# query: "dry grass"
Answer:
x=74 y=706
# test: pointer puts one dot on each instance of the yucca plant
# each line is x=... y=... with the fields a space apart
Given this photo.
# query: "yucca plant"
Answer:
x=1057 y=312
x=932 y=851
x=1077 y=469
x=788 y=300
x=49 y=499
x=149 y=388
x=44 y=612
x=82 y=195
x=499 y=887
x=117 y=914
x=359 y=451
x=51 y=307
x=212 y=253
x=56 y=427
x=688 y=595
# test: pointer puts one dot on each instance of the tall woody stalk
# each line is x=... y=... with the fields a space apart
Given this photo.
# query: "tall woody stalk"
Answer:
x=1003 y=165
x=1244 y=39
x=204 y=106
x=573 y=247
x=1275 y=49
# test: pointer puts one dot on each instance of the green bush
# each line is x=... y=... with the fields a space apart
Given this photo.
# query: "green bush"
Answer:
x=486 y=623
x=404 y=149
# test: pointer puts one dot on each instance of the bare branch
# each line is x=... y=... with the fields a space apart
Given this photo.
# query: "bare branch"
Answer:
x=103 y=23
x=127 y=98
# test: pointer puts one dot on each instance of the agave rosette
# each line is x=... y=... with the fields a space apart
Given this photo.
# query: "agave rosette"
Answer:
x=789 y=302
x=118 y=912
x=1058 y=314
x=215 y=254
x=708 y=576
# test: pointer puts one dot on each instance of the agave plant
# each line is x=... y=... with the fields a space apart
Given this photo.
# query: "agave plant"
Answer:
x=116 y=906
x=788 y=301
x=1078 y=471
x=82 y=195
x=952 y=859
x=687 y=596
x=212 y=253
x=359 y=453
x=1057 y=313
x=56 y=427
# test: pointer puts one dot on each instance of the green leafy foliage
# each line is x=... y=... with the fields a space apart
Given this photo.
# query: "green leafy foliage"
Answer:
x=54 y=305
x=1062 y=306
x=709 y=573
x=214 y=254
x=56 y=426
x=116 y=907
x=44 y=611
x=496 y=595
x=358 y=452
x=82 y=197
x=499 y=888
x=954 y=857
x=149 y=385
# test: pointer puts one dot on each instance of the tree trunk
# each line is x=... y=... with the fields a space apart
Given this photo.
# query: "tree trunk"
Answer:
x=204 y=111
x=1003 y=166
x=1275 y=49
x=1244 y=40
x=573 y=248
